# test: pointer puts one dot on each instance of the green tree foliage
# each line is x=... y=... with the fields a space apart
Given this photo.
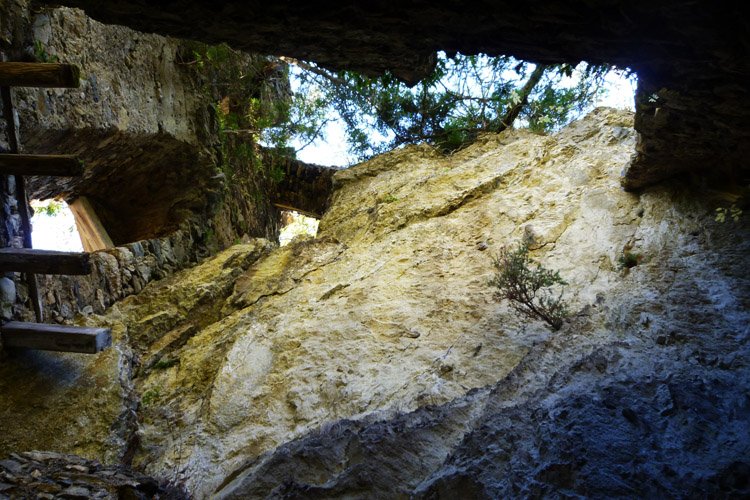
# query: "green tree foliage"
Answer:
x=251 y=99
x=528 y=287
x=463 y=97
x=50 y=208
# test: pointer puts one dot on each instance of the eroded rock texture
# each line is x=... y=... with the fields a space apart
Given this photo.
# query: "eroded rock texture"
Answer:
x=692 y=59
x=641 y=395
x=372 y=361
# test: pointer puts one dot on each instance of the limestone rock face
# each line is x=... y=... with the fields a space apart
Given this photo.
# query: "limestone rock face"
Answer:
x=86 y=404
x=373 y=362
x=642 y=394
x=389 y=309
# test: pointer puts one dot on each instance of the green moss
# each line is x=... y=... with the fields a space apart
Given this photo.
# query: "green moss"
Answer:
x=163 y=365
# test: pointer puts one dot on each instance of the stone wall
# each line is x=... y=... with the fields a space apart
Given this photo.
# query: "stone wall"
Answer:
x=148 y=134
x=121 y=272
x=141 y=120
x=116 y=274
x=305 y=188
x=15 y=24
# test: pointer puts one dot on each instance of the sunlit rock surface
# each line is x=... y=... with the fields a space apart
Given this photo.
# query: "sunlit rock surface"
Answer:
x=86 y=404
x=642 y=395
x=372 y=361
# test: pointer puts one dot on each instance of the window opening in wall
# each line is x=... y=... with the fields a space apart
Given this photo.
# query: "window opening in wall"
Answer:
x=618 y=91
x=294 y=223
x=53 y=227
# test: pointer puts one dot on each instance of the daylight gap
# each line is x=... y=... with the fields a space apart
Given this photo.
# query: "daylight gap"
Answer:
x=294 y=224
x=53 y=227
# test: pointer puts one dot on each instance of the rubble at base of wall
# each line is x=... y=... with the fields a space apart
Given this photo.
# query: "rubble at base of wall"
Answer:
x=43 y=474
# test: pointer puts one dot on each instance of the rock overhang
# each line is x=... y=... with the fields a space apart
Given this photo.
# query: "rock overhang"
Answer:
x=692 y=107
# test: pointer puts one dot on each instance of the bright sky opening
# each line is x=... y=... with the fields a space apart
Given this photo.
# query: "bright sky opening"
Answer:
x=618 y=92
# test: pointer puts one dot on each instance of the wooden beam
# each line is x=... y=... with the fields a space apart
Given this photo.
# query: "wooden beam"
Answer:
x=56 y=337
x=282 y=206
x=29 y=260
x=91 y=230
x=57 y=165
x=46 y=75
x=22 y=200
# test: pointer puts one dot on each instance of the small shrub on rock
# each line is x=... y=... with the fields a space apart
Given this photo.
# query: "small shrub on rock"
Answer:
x=529 y=286
x=629 y=260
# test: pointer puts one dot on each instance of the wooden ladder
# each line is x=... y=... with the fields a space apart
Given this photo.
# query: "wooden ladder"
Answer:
x=28 y=260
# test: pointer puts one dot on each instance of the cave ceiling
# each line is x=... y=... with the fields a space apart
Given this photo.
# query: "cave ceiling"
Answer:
x=692 y=104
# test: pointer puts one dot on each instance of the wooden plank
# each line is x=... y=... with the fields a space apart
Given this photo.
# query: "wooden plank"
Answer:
x=91 y=230
x=29 y=260
x=57 y=165
x=282 y=206
x=56 y=337
x=45 y=75
x=23 y=210
x=22 y=200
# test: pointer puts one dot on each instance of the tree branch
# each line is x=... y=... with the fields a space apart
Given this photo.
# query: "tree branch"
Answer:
x=515 y=109
x=314 y=70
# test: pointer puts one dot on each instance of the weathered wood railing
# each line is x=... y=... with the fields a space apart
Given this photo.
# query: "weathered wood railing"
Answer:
x=28 y=260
